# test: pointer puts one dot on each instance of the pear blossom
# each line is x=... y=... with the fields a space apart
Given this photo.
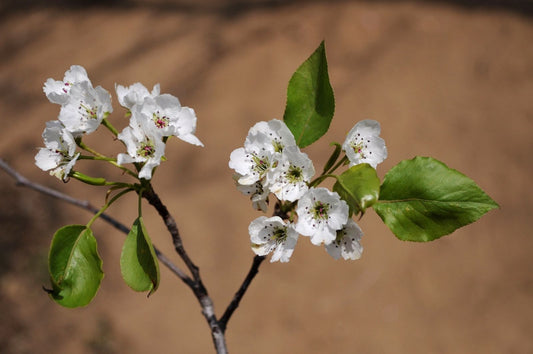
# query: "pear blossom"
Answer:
x=294 y=169
x=164 y=116
x=273 y=235
x=144 y=147
x=347 y=244
x=186 y=126
x=253 y=160
x=134 y=94
x=257 y=192
x=363 y=144
x=160 y=114
x=276 y=132
x=264 y=142
x=59 y=91
x=59 y=155
x=320 y=214
x=85 y=109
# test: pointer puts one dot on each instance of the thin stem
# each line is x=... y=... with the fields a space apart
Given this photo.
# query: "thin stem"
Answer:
x=342 y=161
x=111 y=160
x=149 y=194
x=283 y=213
x=100 y=158
x=107 y=205
x=139 y=206
x=84 y=204
x=82 y=145
x=328 y=173
x=196 y=284
x=320 y=179
x=254 y=269
x=333 y=158
x=109 y=126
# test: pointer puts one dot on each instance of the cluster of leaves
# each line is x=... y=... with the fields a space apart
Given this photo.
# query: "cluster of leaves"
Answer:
x=75 y=266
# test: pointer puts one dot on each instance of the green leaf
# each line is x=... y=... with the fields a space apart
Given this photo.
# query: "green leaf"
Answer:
x=74 y=265
x=310 y=101
x=359 y=187
x=138 y=262
x=423 y=199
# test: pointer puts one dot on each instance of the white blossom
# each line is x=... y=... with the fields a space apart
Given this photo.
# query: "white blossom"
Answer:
x=253 y=160
x=363 y=144
x=159 y=115
x=186 y=126
x=276 y=133
x=143 y=146
x=320 y=214
x=85 y=109
x=58 y=91
x=164 y=116
x=134 y=94
x=264 y=143
x=257 y=192
x=59 y=155
x=273 y=235
x=348 y=242
x=288 y=180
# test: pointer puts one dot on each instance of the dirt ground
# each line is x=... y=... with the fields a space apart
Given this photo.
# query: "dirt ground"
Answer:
x=445 y=80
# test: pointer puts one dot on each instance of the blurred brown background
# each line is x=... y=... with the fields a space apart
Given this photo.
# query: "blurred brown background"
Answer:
x=448 y=79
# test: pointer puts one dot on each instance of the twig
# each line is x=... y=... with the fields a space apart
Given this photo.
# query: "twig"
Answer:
x=196 y=283
x=84 y=204
x=240 y=293
x=218 y=327
x=254 y=269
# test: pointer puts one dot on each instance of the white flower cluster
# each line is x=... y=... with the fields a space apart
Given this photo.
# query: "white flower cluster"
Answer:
x=271 y=162
x=82 y=109
x=59 y=154
x=154 y=118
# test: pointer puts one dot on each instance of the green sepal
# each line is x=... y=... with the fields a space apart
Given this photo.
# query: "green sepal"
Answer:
x=138 y=262
x=359 y=187
x=310 y=100
x=422 y=199
x=74 y=265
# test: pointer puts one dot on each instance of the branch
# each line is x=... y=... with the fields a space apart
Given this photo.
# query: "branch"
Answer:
x=84 y=204
x=240 y=293
x=196 y=283
x=254 y=269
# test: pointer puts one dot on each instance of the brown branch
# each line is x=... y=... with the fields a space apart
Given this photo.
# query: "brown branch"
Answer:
x=196 y=283
x=84 y=204
x=240 y=293
x=254 y=269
